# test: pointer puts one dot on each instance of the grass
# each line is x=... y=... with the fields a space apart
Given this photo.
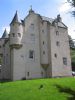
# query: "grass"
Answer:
x=52 y=89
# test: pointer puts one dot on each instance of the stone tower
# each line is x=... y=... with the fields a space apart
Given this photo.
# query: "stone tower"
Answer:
x=16 y=32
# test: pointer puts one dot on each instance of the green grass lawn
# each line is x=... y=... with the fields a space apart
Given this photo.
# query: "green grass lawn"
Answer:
x=52 y=89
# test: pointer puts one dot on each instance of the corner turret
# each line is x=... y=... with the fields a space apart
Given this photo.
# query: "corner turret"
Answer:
x=15 y=19
x=5 y=34
x=16 y=32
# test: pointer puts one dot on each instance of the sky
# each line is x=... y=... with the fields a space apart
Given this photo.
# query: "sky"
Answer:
x=48 y=8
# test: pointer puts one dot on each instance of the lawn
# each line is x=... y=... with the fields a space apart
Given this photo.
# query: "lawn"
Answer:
x=40 y=89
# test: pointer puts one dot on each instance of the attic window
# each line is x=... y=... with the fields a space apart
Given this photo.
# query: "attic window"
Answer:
x=19 y=34
x=13 y=34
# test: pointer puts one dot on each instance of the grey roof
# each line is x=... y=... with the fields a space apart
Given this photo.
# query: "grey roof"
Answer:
x=15 y=19
x=47 y=19
x=60 y=24
x=5 y=34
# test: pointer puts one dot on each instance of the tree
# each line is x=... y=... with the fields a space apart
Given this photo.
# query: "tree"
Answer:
x=72 y=3
x=71 y=42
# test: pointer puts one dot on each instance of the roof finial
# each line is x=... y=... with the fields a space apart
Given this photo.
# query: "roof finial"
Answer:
x=31 y=10
x=31 y=7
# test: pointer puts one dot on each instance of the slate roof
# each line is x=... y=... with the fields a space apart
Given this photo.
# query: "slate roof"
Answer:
x=60 y=24
x=15 y=19
x=47 y=19
x=5 y=34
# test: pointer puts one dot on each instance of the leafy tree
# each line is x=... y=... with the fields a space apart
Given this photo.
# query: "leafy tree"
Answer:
x=72 y=3
x=71 y=42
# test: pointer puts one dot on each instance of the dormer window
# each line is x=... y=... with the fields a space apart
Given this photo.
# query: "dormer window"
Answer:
x=19 y=34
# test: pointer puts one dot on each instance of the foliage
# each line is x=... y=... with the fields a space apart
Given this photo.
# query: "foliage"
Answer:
x=52 y=89
x=72 y=2
x=73 y=59
x=71 y=42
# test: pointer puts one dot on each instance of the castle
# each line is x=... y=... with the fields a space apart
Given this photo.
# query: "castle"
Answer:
x=36 y=47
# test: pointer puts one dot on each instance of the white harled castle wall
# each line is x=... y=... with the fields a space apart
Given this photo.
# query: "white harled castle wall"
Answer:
x=39 y=36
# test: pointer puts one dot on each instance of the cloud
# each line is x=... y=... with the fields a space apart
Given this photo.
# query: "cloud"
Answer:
x=64 y=8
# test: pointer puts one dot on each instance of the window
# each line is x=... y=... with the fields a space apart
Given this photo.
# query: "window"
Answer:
x=31 y=54
x=57 y=33
x=43 y=42
x=58 y=43
x=32 y=36
x=64 y=60
x=32 y=26
x=0 y=70
x=42 y=73
x=42 y=31
x=13 y=34
x=55 y=55
x=27 y=73
x=43 y=52
x=19 y=34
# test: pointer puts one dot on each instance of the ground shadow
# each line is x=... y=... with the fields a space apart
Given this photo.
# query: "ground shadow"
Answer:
x=68 y=91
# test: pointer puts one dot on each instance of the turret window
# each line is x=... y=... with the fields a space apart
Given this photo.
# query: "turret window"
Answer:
x=19 y=34
x=13 y=34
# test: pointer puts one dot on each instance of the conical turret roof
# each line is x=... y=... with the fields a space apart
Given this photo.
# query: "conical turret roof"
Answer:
x=15 y=19
x=5 y=34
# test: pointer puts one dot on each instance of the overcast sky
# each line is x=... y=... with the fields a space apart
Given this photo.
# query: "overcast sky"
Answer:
x=49 y=8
